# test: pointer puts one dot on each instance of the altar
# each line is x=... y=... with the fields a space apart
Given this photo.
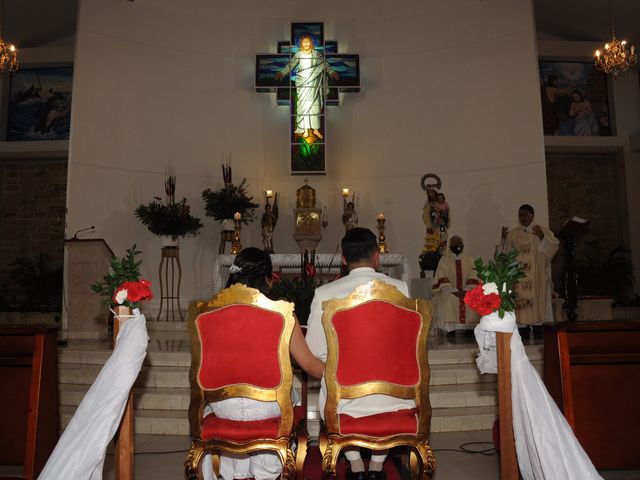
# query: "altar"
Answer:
x=327 y=266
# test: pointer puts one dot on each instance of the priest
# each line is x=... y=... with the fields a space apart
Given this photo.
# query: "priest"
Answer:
x=454 y=276
x=536 y=245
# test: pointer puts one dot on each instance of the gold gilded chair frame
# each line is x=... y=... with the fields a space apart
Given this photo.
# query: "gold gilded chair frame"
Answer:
x=239 y=294
x=421 y=461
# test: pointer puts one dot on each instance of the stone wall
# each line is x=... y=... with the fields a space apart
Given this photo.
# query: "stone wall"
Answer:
x=32 y=217
x=591 y=186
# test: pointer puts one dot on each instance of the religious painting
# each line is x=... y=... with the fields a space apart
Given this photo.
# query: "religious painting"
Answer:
x=306 y=75
x=40 y=104
x=575 y=99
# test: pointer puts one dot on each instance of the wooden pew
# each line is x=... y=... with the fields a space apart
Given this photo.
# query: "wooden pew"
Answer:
x=29 y=400
x=592 y=371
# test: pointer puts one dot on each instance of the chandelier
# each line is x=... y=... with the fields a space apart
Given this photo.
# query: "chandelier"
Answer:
x=8 y=52
x=615 y=58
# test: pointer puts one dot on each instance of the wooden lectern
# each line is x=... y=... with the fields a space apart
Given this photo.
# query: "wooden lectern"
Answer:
x=87 y=262
x=572 y=231
x=29 y=402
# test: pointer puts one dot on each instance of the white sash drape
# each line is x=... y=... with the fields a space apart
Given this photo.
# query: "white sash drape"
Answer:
x=546 y=447
x=81 y=450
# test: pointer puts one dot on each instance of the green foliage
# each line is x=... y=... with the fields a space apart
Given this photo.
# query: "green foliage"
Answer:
x=223 y=203
x=298 y=290
x=39 y=281
x=612 y=276
x=126 y=269
x=504 y=270
x=171 y=218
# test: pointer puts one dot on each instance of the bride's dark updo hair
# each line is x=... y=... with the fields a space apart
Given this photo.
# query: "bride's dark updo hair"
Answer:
x=251 y=267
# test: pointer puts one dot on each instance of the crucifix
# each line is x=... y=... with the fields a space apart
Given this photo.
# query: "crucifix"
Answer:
x=308 y=74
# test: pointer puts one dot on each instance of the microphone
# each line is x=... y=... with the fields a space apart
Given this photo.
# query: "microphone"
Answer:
x=92 y=227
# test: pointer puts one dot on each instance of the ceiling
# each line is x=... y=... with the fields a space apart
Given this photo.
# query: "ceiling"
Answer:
x=34 y=23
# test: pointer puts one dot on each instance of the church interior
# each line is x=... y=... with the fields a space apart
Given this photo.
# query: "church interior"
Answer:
x=119 y=106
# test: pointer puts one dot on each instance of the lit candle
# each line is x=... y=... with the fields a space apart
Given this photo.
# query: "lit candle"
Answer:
x=269 y=193
x=345 y=192
x=237 y=216
x=598 y=53
x=381 y=216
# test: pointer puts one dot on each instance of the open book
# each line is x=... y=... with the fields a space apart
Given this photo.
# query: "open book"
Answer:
x=575 y=228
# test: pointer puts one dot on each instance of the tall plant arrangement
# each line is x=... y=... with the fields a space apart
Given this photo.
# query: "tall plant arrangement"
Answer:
x=223 y=203
x=168 y=217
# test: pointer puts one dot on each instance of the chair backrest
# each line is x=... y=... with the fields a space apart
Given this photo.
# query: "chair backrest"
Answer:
x=240 y=348
x=377 y=344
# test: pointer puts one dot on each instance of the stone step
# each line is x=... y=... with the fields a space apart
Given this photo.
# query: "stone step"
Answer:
x=178 y=377
x=176 y=422
x=463 y=418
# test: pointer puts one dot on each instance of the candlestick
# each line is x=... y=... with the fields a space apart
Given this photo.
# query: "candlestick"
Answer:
x=382 y=244
x=236 y=246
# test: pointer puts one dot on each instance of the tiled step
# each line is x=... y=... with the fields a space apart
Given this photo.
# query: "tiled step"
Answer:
x=461 y=398
x=158 y=422
x=463 y=418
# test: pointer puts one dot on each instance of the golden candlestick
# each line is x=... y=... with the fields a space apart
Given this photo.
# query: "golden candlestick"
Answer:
x=382 y=244
x=236 y=246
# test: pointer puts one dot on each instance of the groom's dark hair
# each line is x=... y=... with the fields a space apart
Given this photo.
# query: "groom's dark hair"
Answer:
x=358 y=244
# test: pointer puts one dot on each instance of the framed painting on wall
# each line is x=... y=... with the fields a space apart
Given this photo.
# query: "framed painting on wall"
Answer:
x=40 y=104
x=575 y=100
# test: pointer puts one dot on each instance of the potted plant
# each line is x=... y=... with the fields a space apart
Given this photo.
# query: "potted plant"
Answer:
x=125 y=269
x=169 y=218
x=222 y=204
x=496 y=295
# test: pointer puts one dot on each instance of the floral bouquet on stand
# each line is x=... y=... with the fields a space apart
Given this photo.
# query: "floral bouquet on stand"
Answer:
x=496 y=293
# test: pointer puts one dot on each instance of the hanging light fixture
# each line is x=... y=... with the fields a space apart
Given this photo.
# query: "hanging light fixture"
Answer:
x=8 y=51
x=615 y=58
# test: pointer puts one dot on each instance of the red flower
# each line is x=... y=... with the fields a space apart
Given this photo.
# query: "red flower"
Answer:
x=276 y=277
x=481 y=303
x=311 y=270
x=136 y=291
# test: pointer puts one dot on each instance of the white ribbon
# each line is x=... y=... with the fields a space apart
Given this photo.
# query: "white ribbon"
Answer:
x=546 y=447
x=81 y=450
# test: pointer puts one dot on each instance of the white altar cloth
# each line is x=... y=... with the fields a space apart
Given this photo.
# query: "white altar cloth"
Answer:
x=393 y=264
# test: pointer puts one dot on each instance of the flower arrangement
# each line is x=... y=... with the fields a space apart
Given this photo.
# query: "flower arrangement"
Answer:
x=130 y=294
x=125 y=269
x=496 y=292
x=222 y=204
x=432 y=251
x=169 y=218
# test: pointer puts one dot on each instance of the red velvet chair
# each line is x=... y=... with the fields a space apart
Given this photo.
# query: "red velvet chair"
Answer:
x=377 y=344
x=240 y=348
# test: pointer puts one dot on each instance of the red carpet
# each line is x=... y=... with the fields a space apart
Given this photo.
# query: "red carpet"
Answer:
x=313 y=471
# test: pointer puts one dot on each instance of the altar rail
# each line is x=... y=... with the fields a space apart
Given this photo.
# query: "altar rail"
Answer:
x=327 y=266
x=592 y=371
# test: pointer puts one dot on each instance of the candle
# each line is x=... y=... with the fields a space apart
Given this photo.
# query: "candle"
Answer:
x=269 y=193
x=237 y=216
x=345 y=192
x=381 y=216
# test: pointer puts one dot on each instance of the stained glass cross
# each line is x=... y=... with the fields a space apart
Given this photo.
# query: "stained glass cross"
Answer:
x=308 y=74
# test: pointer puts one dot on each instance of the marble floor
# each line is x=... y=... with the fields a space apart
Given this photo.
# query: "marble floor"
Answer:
x=160 y=457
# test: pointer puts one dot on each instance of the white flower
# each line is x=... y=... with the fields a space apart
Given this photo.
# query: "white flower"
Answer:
x=121 y=297
x=489 y=288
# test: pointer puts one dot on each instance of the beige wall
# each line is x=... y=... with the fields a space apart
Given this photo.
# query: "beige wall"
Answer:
x=448 y=87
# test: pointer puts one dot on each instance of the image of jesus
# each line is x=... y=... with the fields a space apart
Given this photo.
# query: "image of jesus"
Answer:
x=310 y=67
